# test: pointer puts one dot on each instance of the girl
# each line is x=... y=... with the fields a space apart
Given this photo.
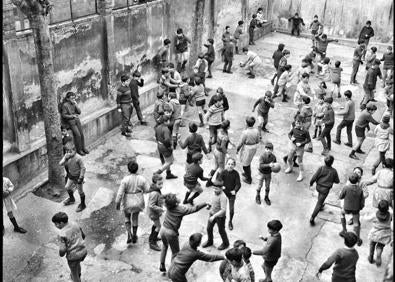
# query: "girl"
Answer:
x=131 y=200
x=382 y=141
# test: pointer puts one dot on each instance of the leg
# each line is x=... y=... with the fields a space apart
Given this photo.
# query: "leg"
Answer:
x=339 y=128
x=75 y=270
x=268 y=178
x=265 y=121
x=136 y=105
x=357 y=227
x=210 y=236
x=379 y=251
x=80 y=189
x=258 y=189
x=324 y=135
x=379 y=160
x=222 y=232
x=318 y=206
x=372 y=247
x=252 y=71
x=225 y=64
x=128 y=226
x=349 y=132
x=251 y=34
x=15 y=224
x=77 y=137
x=269 y=271
x=79 y=126
x=229 y=66
x=165 y=246
x=232 y=200
x=343 y=222
x=135 y=224
x=174 y=245
x=299 y=155
x=69 y=188
x=355 y=67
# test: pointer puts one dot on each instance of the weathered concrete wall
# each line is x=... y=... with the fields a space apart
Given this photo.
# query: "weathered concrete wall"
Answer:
x=341 y=17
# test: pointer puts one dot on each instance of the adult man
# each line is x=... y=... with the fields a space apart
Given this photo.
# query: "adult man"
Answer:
x=348 y=114
x=369 y=86
x=124 y=105
x=364 y=36
x=70 y=113
x=181 y=49
x=315 y=26
x=356 y=61
x=253 y=62
x=296 y=21
x=134 y=85
x=162 y=57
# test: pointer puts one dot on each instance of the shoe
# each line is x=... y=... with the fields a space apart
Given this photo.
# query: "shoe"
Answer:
x=69 y=201
x=20 y=230
x=267 y=201
x=348 y=144
x=359 y=151
x=201 y=125
x=143 y=122
x=222 y=247
x=350 y=222
x=248 y=73
x=162 y=267
x=81 y=153
x=342 y=233
x=325 y=152
x=155 y=247
x=265 y=130
x=134 y=239
x=251 y=76
x=300 y=177
x=373 y=171
x=288 y=170
x=258 y=199
x=126 y=134
x=209 y=76
x=370 y=259
x=224 y=71
x=295 y=165
x=230 y=225
x=312 y=223
x=229 y=72
x=353 y=156
x=171 y=176
x=246 y=180
x=337 y=142
x=80 y=207
x=373 y=100
x=378 y=261
x=85 y=151
x=207 y=244
x=309 y=150
x=359 y=243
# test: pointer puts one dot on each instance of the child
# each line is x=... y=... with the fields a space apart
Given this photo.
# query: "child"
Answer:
x=382 y=141
x=322 y=44
x=200 y=69
x=380 y=234
x=10 y=205
x=328 y=120
x=322 y=90
x=388 y=66
x=71 y=240
x=284 y=78
x=217 y=216
x=193 y=172
x=124 y=105
x=281 y=65
x=158 y=107
x=252 y=63
x=238 y=271
x=318 y=115
x=277 y=55
x=354 y=202
x=345 y=260
x=199 y=95
x=304 y=68
x=247 y=147
x=315 y=26
x=225 y=103
x=271 y=252
x=251 y=28
x=324 y=67
x=348 y=113
x=266 y=162
x=210 y=55
x=307 y=112
x=175 y=119
x=265 y=103
x=225 y=269
x=336 y=77
x=194 y=142
x=221 y=148
x=155 y=210
x=228 y=56
x=214 y=117
x=260 y=17
x=238 y=32
x=371 y=57
x=75 y=177
x=303 y=90
x=185 y=93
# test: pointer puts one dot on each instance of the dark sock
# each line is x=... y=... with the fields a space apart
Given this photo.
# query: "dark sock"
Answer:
x=194 y=196
x=201 y=118
x=134 y=230
x=13 y=220
x=186 y=196
x=82 y=196
x=151 y=236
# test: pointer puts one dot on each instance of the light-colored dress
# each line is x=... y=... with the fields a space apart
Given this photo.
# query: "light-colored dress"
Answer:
x=249 y=142
x=382 y=141
x=8 y=202
x=384 y=189
x=131 y=193
x=381 y=231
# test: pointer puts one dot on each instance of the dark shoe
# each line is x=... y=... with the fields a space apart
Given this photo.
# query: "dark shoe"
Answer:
x=129 y=240
x=20 y=230
x=267 y=201
x=295 y=165
x=162 y=267
x=359 y=243
x=80 y=207
x=154 y=246
x=348 y=144
x=209 y=76
x=222 y=247
x=248 y=73
x=69 y=201
x=342 y=233
x=312 y=223
x=373 y=100
x=309 y=150
x=258 y=199
x=143 y=122
x=265 y=130
x=126 y=134
x=353 y=156
x=229 y=72
x=373 y=171
x=190 y=201
x=314 y=136
x=81 y=153
x=85 y=151
x=171 y=176
x=359 y=151
x=134 y=239
x=251 y=76
x=207 y=244
x=246 y=180
x=230 y=225
x=224 y=71
x=337 y=142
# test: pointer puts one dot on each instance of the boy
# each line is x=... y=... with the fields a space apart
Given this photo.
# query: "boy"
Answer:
x=271 y=252
x=238 y=271
x=210 y=55
x=266 y=162
x=124 y=104
x=299 y=137
x=284 y=78
x=228 y=56
x=10 y=205
x=251 y=28
x=155 y=210
x=75 y=169
x=265 y=103
x=225 y=268
x=200 y=68
x=388 y=66
x=277 y=55
x=329 y=122
x=175 y=119
x=260 y=17
x=165 y=148
x=226 y=36
x=253 y=62
x=345 y=260
x=71 y=240
x=158 y=107
x=236 y=35
x=336 y=77
x=194 y=142
x=193 y=172
x=214 y=117
x=181 y=49
x=369 y=86
x=322 y=44
x=324 y=177
x=356 y=61
x=315 y=26
x=296 y=21
x=364 y=36
x=354 y=202
x=319 y=109
x=198 y=93
x=307 y=112
x=348 y=114
x=174 y=78
x=217 y=216
x=225 y=103
x=281 y=65
x=134 y=85
x=303 y=90
x=360 y=127
x=162 y=57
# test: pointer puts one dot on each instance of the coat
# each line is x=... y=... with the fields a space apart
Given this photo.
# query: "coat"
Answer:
x=130 y=193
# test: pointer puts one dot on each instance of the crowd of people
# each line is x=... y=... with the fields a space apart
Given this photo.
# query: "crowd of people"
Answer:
x=180 y=91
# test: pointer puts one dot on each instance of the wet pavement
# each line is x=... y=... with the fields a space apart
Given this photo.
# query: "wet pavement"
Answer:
x=34 y=256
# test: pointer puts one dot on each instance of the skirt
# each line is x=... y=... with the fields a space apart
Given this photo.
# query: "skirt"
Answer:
x=382 y=145
x=247 y=153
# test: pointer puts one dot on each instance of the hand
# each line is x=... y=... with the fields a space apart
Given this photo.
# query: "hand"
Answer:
x=318 y=275
x=211 y=218
x=253 y=110
x=292 y=138
x=298 y=144
x=233 y=192
x=208 y=206
x=271 y=164
x=80 y=180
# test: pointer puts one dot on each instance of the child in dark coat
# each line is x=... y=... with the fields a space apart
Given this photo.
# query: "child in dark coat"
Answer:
x=155 y=210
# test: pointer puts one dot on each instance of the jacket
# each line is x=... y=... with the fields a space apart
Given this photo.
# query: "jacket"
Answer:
x=181 y=44
x=134 y=88
x=155 y=203
x=366 y=33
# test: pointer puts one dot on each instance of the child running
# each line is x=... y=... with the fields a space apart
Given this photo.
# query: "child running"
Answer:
x=264 y=104
x=193 y=172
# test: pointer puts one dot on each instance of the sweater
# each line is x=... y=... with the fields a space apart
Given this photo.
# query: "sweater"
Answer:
x=345 y=260
x=238 y=32
x=364 y=118
x=301 y=135
x=162 y=135
x=218 y=205
x=225 y=103
x=71 y=240
x=264 y=104
x=173 y=217
x=325 y=177
x=181 y=44
x=348 y=112
x=75 y=167
x=329 y=117
x=315 y=26
x=198 y=93
x=231 y=181
x=264 y=162
x=229 y=50
x=193 y=172
x=296 y=21
x=358 y=52
x=253 y=24
x=371 y=78
x=124 y=95
x=277 y=55
x=271 y=252
x=210 y=54
x=195 y=144
x=353 y=197
x=68 y=110
x=214 y=115
x=155 y=203
x=388 y=59
x=366 y=33
x=134 y=88
x=336 y=74
x=323 y=44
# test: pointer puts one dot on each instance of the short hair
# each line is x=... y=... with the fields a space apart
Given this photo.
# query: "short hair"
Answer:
x=239 y=243
x=323 y=83
x=165 y=118
x=306 y=100
x=136 y=74
x=133 y=167
x=193 y=127
x=324 y=36
x=389 y=48
x=234 y=254
x=328 y=100
x=245 y=49
x=337 y=64
x=288 y=67
x=124 y=78
x=225 y=124
x=240 y=22
x=197 y=157
x=179 y=31
x=275 y=225
x=326 y=60
x=374 y=49
x=268 y=93
x=389 y=163
x=201 y=55
x=172 y=95
x=369 y=22
x=286 y=52
x=376 y=62
x=383 y=206
x=250 y=121
x=231 y=159
x=359 y=168
x=69 y=94
x=226 y=27
x=70 y=146
x=371 y=107
x=348 y=93
x=156 y=177
x=253 y=16
x=170 y=65
x=269 y=145
x=281 y=47
x=165 y=70
x=195 y=239
x=353 y=178
x=60 y=217
x=296 y=14
x=171 y=201
x=197 y=80
x=350 y=239
x=305 y=74
x=329 y=160
x=246 y=253
x=315 y=16
x=260 y=9
x=216 y=98
x=210 y=40
x=167 y=41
